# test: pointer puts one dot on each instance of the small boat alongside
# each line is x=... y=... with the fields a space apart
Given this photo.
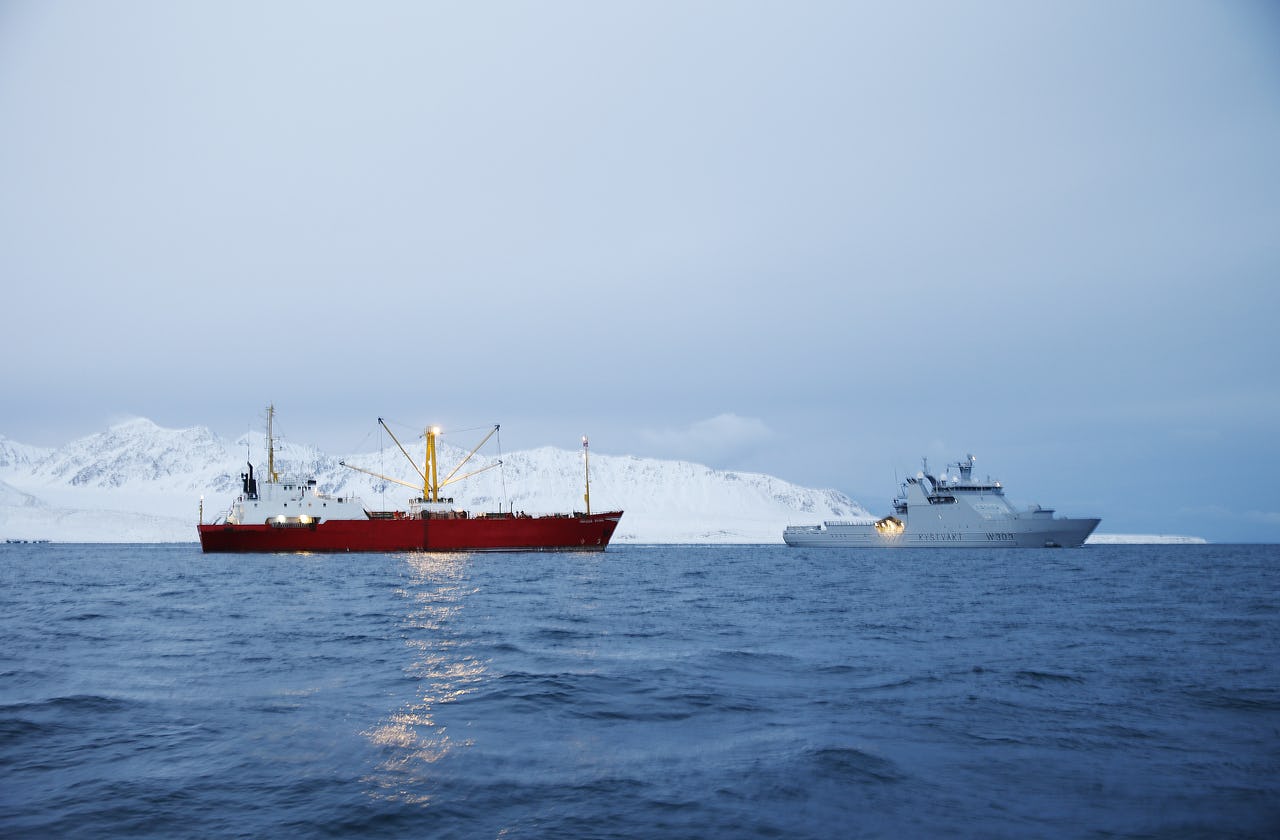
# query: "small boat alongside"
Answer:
x=289 y=513
x=949 y=511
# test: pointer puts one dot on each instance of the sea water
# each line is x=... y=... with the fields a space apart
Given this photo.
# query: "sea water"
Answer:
x=649 y=691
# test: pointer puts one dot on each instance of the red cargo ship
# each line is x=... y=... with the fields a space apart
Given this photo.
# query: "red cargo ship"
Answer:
x=290 y=514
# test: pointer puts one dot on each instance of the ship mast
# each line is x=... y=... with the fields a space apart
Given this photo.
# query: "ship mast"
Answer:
x=271 y=446
x=431 y=487
x=586 y=466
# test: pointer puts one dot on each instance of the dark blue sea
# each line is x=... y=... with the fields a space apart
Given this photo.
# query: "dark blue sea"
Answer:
x=649 y=692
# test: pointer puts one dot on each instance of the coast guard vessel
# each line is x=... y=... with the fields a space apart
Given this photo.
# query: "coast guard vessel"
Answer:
x=952 y=511
x=289 y=513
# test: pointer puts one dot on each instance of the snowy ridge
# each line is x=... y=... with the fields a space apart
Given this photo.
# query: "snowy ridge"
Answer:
x=139 y=482
x=14 y=455
x=135 y=452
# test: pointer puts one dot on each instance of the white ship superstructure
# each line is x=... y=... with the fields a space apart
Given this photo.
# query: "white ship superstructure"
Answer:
x=288 y=501
x=954 y=511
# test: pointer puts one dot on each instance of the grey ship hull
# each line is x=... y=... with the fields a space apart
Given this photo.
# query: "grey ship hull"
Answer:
x=1055 y=533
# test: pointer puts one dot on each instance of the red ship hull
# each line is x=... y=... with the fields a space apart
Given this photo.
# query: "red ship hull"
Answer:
x=492 y=532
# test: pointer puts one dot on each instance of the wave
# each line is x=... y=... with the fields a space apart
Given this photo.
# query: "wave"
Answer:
x=855 y=765
x=1046 y=677
x=1245 y=700
x=70 y=704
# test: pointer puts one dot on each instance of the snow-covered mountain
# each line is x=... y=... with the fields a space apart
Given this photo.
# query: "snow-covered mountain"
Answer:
x=137 y=452
x=138 y=482
x=17 y=456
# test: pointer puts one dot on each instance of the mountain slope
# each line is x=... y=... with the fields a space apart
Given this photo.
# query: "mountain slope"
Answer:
x=18 y=456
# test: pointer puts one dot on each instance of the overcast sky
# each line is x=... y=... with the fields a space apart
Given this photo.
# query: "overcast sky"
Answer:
x=818 y=240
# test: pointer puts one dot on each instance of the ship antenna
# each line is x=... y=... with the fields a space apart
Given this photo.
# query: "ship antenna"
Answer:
x=586 y=463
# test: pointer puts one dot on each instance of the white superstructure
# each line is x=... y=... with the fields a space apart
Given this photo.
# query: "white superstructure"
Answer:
x=289 y=500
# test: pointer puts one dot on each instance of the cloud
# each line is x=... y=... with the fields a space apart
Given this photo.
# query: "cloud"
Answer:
x=716 y=440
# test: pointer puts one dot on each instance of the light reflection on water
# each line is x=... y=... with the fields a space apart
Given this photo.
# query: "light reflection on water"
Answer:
x=412 y=739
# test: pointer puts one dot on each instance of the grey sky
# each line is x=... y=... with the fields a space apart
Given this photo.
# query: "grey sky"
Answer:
x=816 y=240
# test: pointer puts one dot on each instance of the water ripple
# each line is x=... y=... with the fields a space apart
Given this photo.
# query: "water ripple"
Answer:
x=744 y=691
